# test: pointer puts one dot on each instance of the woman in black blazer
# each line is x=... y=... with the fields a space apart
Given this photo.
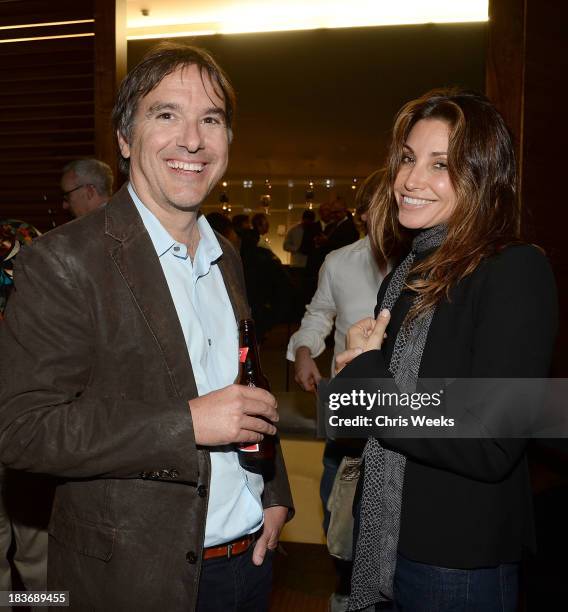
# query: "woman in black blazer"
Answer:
x=443 y=523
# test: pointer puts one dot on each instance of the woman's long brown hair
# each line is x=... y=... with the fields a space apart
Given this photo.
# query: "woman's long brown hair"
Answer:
x=482 y=170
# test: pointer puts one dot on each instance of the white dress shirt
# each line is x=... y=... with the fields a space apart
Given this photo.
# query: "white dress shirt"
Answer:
x=348 y=283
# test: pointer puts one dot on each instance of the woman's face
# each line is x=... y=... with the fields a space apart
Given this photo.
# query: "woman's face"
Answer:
x=423 y=190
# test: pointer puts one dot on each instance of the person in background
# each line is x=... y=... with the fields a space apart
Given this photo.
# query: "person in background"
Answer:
x=294 y=240
x=222 y=224
x=25 y=499
x=300 y=243
x=241 y=223
x=261 y=226
x=269 y=290
x=325 y=216
x=86 y=184
x=339 y=230
x=471 y=300
x=349 y=280
x=118 y=367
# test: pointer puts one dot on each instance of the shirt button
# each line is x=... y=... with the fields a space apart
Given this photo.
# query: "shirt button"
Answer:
x=202 y=490
x=176 y=249
x=191 y=557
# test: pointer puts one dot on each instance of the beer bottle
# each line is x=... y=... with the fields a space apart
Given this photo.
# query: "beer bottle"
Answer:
x=256 y=457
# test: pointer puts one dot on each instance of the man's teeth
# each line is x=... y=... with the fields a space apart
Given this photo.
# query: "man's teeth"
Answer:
x=180 y=165
x=415 y=201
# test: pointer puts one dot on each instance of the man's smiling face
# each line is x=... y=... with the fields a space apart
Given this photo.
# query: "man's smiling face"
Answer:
x=179 y=144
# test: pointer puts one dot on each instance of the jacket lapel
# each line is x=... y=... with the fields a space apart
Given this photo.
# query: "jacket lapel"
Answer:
x=135 y=257
x=233 y=282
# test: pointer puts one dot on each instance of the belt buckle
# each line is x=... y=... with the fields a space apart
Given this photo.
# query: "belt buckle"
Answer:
x=229 y=551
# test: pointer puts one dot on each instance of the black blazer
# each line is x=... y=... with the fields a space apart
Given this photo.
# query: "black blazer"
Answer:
x=467 y=502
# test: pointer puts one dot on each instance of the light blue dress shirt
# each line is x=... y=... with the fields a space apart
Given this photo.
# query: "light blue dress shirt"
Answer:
x=211 y=334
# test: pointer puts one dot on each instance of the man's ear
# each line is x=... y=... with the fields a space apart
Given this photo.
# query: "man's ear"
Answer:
x=123 y=145
x=91 y=191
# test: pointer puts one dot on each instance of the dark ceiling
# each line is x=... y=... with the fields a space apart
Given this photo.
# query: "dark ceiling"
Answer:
x=321 y=103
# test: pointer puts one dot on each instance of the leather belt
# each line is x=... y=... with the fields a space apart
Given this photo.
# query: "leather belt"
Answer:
x=230 y=549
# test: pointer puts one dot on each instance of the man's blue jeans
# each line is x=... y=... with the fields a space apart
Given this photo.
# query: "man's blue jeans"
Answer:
x=420 y=587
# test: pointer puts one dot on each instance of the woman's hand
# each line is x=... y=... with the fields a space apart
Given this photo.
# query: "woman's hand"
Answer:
x=365 y=335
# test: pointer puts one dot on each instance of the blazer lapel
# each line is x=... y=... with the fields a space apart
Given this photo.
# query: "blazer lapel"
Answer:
x=233 y=283
x=135 y=257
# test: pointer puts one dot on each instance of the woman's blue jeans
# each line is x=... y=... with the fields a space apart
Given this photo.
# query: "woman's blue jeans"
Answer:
x=419 y=587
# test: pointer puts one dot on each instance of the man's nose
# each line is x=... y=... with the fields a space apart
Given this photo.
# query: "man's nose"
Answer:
x=191 y=136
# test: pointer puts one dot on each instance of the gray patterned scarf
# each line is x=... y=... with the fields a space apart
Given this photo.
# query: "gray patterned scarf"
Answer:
x=375 y=555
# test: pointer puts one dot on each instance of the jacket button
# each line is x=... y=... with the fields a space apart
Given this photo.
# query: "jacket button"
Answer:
x=174 y=473
x=191 y=557
x=202 y=490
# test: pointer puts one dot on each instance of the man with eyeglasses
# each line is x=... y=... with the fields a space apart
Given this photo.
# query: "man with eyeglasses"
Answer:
x=86 y=184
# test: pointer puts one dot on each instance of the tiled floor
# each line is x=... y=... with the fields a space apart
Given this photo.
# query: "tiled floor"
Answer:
x=304 y=575
x=304 y=578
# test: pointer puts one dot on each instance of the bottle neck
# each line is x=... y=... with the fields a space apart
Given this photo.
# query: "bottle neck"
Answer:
x=249 y=356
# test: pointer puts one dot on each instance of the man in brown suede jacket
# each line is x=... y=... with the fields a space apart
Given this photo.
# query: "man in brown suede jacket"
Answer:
x=119 y=351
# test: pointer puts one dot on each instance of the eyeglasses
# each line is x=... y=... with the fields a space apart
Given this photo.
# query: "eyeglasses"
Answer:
x=66 y=194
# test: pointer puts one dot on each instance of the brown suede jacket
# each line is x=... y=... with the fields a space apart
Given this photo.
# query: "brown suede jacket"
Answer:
x=95 y=380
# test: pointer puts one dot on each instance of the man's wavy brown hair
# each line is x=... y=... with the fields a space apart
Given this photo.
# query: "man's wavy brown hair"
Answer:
x=482 y=170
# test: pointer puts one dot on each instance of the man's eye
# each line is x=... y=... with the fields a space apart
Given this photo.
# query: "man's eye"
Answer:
x=165 y=116
x=211 y=120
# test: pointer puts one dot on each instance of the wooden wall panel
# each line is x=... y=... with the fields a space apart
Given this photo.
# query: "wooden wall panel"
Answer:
x=50 y=92
x=526 y=68
x=47 y=118
x=19 y=12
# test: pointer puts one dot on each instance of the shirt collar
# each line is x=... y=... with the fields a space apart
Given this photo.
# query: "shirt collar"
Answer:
x=208 y=250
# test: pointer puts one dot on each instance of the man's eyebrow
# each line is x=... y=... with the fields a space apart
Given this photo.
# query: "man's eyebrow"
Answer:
x=216 y=110
x=172 y=106
x=160 y=106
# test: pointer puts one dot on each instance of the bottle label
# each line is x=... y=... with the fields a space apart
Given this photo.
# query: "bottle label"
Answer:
x=249 y=448
x=243 y=352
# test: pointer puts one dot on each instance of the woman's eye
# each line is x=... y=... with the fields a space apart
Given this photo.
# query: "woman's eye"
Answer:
x=406 y=159
x=440 y=165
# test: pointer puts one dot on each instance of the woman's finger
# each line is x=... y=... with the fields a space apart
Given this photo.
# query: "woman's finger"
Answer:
x=359 y=332
x=378 y=334
x=345 y=357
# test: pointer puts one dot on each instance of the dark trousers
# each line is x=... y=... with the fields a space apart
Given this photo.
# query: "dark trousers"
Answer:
x=235 y=584
x=419 y=587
